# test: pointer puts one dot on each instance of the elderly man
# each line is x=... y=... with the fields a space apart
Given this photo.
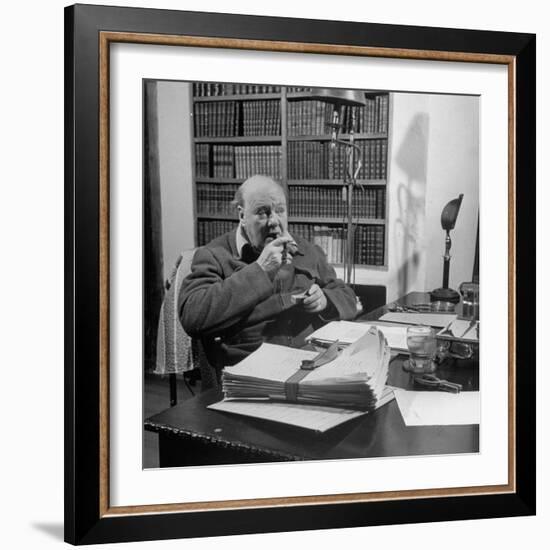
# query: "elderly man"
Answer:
x=257 y=284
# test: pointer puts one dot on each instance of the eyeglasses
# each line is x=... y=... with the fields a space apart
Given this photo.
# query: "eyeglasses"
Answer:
x=454 y=350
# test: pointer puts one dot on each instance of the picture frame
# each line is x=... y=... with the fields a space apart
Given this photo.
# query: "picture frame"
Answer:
x=89 y=517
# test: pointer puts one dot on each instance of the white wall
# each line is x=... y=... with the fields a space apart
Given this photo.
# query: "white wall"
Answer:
x=453 y=168
x=175 y=165
x=433 y=157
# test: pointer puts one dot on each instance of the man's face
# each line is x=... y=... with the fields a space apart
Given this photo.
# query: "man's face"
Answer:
x=264 y=216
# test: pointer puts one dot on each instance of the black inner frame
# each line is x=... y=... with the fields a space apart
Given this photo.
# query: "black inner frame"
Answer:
x=82 y=522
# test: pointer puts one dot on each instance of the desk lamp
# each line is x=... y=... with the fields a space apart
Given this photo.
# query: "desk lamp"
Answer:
x=338 y=99
x=448 y=220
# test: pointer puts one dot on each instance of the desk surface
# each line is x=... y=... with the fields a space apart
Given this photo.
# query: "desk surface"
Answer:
x=381 y=433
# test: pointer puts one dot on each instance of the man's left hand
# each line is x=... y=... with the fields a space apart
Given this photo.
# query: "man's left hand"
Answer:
x=315 y=301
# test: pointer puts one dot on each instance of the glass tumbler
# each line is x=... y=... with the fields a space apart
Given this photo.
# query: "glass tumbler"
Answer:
x=422 y=345
x=470 y=300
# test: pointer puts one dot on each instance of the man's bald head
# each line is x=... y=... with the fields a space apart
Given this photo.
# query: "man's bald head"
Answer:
x=258 y=183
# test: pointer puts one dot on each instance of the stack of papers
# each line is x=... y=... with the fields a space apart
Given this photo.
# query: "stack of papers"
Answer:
x=348 y=332
x=354 y=380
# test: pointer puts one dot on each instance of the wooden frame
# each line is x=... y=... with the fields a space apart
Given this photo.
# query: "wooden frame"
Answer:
x=88 y=515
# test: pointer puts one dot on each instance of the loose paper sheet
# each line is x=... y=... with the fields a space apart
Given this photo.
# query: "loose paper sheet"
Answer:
x=430 y=319
x=435 y=408
x=462 y=328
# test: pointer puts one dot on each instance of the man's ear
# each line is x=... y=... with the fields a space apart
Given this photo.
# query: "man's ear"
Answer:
x=240 y=210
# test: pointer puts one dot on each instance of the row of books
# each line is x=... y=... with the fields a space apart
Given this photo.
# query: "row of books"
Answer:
x=312 y=117
x=305 y=118
x=203 y=162
x=368 y=242
x=306 y=201
x=296 y=89
x=261 y=118
x=223 y=163
x=309 y=118
x=318 y=160
x=238 y=118
x=210 y=229
x=374 y=153
x=332 y=240
x=216 y=199
x=373 y=118
x=220 y=119
x=242 y=161
x=324 y=201
x=205 y=89
x=258 y=159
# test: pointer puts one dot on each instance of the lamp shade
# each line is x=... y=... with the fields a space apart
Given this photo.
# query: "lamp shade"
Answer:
x=450 y=213
x=338 y=96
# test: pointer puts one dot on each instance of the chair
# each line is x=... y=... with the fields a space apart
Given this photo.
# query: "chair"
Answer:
x=370 y=296
x=177 y=352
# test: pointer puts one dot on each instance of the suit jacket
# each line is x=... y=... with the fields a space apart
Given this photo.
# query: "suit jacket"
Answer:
x=226 y=296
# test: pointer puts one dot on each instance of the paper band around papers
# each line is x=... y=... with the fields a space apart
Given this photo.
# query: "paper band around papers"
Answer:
x=292 y=385
x=326 y=356
x=322 y=358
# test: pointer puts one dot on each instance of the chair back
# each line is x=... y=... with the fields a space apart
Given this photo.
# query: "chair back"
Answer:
x=177 y=352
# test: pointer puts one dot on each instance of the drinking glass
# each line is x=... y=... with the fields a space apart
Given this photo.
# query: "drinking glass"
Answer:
x=421 y=343
x=470 y=300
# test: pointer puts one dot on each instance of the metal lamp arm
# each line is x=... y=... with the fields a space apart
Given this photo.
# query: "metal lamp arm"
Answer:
x=351 y=145
x=347 y=144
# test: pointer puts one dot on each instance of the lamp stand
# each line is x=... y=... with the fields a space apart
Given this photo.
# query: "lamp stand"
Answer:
x=339 y=99
x=446 y=294
x=350 y=181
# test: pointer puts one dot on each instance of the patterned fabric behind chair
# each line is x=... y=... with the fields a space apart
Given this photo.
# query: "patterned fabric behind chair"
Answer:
x=177 y=352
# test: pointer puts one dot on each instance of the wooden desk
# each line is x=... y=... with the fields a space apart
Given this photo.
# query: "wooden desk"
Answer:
x=191 y=434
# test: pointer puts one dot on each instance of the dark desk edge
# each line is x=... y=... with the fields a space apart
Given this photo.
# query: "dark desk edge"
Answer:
x=181 y=433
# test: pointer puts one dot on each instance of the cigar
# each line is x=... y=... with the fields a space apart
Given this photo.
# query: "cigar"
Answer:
x=292 y=248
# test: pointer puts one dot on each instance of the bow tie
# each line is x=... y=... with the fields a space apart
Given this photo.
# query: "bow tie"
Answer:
x=249 y=254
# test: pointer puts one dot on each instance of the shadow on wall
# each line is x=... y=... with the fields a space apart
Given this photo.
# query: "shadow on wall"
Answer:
x=412 y=158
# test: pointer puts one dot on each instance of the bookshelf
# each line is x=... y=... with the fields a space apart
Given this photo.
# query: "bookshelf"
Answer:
x=244 y=129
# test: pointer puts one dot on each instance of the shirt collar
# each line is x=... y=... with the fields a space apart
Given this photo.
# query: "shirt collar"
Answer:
x=241 y=240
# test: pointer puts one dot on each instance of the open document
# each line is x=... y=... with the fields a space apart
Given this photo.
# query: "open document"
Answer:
x=348 y=332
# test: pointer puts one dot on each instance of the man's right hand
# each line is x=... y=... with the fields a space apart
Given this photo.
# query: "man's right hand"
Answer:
x=273 y=256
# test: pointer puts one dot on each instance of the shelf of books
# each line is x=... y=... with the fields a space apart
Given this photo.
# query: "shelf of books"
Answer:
x=246 y=129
